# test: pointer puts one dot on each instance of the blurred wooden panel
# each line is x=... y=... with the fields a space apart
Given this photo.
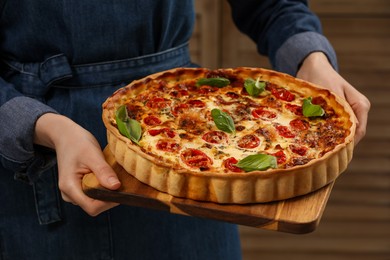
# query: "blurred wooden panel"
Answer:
x=363 y=62
x=206 y=39
x=361 y=47
x=381 y=112
x=306 y=254
x=377 y=132
x=359 y=197
x=374 y=148
x=350 y=7
x=357 y=213
x=370 y=81
x=336 y=229
x=369 y=165
x=238 y=49
x=377 y=181
x=352 y=26
x=339 y=244
x=306 y=244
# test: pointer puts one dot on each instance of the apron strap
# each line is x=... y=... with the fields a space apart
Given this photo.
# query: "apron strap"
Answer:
x=54 y=69
x=47 y=198
x=126 y=70
x=41 y=75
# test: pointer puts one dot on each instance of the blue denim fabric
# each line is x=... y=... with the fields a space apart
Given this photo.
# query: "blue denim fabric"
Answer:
x=290 y=53
x=89 y=31
x=47 y=36
x=121 y=233
x=272 y=23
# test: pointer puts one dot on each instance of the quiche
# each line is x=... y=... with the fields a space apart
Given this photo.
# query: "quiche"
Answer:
x=234 y=135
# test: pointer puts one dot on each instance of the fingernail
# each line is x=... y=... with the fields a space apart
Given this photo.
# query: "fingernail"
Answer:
x=112 y=181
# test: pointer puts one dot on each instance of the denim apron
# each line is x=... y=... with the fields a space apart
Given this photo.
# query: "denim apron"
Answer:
x=34 y=221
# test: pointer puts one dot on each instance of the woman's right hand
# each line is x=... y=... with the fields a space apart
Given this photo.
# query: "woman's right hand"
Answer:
x=78 y=153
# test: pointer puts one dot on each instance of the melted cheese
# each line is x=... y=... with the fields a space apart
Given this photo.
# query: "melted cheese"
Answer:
x=219 y=152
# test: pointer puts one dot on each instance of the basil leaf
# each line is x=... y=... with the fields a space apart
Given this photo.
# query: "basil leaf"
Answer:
x=213 y=82
x=311 y=110
x=121 y=113
x=121 y=118
x=254 y=88
x=223 y=121
x=257 y=162
x=128 y=127
x=135 y=130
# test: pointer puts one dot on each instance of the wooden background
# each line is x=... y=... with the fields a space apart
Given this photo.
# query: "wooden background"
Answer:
x=356 y=222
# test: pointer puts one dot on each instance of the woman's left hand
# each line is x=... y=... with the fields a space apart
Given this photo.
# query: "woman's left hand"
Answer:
x=317 y=69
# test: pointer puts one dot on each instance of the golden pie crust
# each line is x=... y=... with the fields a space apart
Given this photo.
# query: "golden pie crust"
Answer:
x=238 y=188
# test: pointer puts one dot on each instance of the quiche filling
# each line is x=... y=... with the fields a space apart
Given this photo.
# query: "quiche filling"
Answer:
x=222 y=121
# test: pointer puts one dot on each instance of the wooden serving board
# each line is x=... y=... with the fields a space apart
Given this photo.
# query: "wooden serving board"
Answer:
x=297 y=215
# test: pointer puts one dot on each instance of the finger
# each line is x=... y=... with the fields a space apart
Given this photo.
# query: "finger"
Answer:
x=67 y=199
x=362 y=119
x=92 y=207
x=95 y=207
x=361 y=106
x=105 y=175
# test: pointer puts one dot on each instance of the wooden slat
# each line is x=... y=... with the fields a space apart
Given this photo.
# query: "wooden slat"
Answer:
x=379 y=98
x=283 y=255
x=333 y=238
x=368 y=165
x=371 y=81
x=351 y=7
x=326 y=245
x=205 y=43
x=372 y=149
x=237 y=48
x=362 y=63
x=344 y=212
x=195 y=42
x=356 y=45
x=370 y=197
x=379 y=114
x=355 y=26
x=333 y=229
x=378 y=131
x=371 y=182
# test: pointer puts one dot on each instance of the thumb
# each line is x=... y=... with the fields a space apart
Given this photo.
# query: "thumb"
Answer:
x=106 y=175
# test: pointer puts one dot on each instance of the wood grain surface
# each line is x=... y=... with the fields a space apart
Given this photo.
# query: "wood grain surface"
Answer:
x=297 y=215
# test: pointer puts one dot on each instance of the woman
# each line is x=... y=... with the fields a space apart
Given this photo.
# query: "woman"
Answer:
x=60 y=61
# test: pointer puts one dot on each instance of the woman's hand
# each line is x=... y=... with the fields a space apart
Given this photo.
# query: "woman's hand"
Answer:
x=317 y=69
x=78 y=153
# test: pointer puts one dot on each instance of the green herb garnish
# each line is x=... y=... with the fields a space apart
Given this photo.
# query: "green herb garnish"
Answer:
x=311 y=110
x=223 y=121
x=127 y=126
x=257 y=162
x=213 y=82
x=254 y=88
